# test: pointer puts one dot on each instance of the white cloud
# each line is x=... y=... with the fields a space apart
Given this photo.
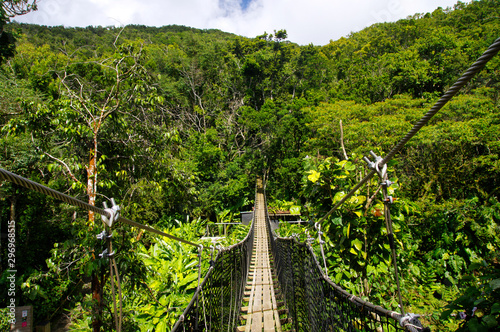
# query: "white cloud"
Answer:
x=316 y=21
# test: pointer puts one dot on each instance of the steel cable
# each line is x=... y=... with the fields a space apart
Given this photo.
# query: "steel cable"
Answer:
x=466 y=77
x=460 y=83
x=19 y=180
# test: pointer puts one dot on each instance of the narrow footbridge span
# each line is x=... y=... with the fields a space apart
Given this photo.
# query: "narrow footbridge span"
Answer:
x=267 y=283
x=262 y=308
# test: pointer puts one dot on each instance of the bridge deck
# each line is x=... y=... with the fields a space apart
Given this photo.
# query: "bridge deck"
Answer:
x=262 y=311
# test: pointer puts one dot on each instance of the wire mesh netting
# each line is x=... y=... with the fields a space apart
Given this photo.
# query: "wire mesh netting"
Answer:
x=315 y=303
x=217 y=302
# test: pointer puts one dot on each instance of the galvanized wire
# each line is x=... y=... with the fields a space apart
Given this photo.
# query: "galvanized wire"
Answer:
x=460 y=83
x=19 y=180
x=316 y=303
x=221 y=292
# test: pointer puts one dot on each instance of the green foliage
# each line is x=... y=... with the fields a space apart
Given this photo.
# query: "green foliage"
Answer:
x=355 y=237
x=479 y=305
x=278 y=206
x=179 y=122
x=4 y=319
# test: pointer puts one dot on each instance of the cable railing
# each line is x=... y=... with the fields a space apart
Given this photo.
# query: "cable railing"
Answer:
x=316 y=303
x=216 y=303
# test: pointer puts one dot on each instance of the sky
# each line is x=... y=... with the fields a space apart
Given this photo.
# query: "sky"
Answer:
x=306 y=21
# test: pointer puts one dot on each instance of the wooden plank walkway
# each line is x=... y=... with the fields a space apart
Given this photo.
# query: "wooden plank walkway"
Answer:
x=262 y=312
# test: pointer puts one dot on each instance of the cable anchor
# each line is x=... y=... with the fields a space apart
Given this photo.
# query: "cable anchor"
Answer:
x=114 y=213
x=389 y=200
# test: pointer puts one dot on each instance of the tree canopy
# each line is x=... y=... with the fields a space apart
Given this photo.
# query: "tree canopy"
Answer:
x=176 y=123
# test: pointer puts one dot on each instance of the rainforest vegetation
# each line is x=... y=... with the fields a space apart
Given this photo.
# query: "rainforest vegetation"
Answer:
x=176 y=123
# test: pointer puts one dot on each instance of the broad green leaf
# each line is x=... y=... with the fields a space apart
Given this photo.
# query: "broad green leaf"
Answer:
x=338 y=196
x=490 y=321
x=357 y=244
x=161 y=327
x=415 y=270
x=337 y=221
x=341 y=163
x=349 y=166
x=495 y=284
x=313 y=176
x=295 y=209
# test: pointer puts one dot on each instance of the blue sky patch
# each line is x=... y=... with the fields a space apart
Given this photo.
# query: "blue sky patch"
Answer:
x=244 y=4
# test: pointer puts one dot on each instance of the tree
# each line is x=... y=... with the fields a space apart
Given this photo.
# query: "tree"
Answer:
x=9 y=9
x=95 y=103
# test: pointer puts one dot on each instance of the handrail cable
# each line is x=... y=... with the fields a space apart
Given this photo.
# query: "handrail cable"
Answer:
x=460 y=83
x=19 y=180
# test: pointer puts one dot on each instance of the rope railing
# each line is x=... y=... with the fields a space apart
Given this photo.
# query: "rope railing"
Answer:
x=19 y=180
x=316 y=303
x=216 y=304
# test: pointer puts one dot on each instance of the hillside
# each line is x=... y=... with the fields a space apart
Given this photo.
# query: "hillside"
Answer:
x=176 y=123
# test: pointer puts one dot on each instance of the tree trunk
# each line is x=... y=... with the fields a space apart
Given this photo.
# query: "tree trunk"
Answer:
x=92 y=181
x=342 y=140
x=92 y=192
x=96 y=296
x=13 y=201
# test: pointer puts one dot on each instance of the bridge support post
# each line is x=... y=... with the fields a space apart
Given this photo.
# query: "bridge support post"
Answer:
x=381 y=169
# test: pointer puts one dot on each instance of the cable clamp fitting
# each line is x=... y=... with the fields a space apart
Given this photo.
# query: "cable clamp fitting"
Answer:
x=376 y=165
x=389 y=200
x=106 y=254
x=386 y=183
x=103 y=235
x=410 y=319
x=114 y=213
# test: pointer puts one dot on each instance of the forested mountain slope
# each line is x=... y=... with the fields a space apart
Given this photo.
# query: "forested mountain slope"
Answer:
x=176 y=123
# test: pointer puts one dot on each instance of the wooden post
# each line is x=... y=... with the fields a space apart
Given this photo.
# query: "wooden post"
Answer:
x=24 y=320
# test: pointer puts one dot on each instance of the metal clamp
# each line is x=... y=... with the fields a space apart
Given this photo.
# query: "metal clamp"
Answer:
x=386 y=183
x=410 y=319
x=106 y=254
x=114 y=213
x=376 y=165
x=103 y=236
x=310 y=239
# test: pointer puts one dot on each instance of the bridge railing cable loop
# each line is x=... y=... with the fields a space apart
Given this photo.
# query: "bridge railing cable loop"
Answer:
x=460 y=83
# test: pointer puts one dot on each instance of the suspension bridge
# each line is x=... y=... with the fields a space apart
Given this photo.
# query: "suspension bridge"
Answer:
x=269 y=283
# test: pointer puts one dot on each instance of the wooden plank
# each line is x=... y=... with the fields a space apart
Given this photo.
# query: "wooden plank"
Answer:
x=257 y=322
x=262 y=306
x=269 y=321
